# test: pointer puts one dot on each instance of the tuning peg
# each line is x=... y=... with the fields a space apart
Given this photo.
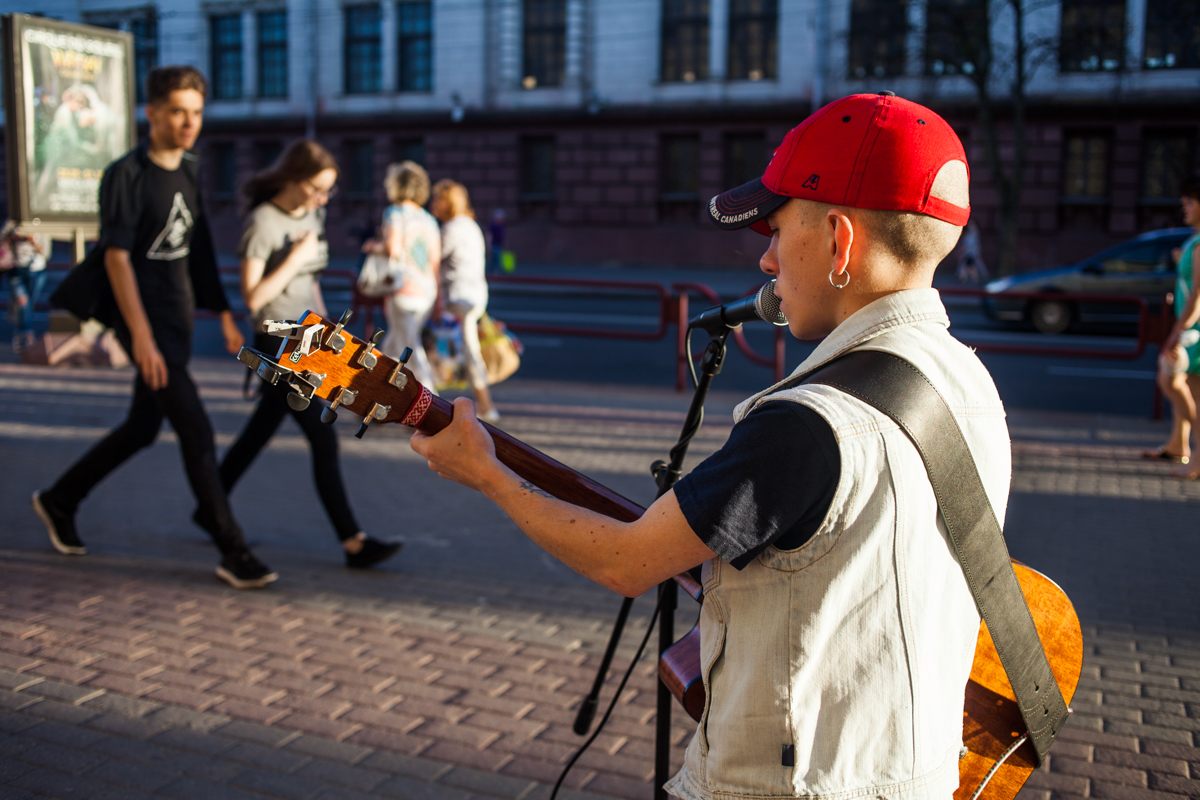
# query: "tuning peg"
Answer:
x=335 y=341
x=398 y=378
x=297 y=401
x=377 y=412
x=366 y=356
x=341 y=396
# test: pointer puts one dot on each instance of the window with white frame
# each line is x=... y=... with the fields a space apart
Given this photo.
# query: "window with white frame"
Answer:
x=1091 y=36
x=144 y=28
x=226 y=53
x=753 y=40
x=544 y=43
x=684 y=41
x=273 y=53
x=878 y=33
x=414 y=50
x=362 y=49
x=1172 y=34
x=955 y=33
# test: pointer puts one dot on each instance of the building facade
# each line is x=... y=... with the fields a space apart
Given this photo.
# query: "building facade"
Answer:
x=601 y=127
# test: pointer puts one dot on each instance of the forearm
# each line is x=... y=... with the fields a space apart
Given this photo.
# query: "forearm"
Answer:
x=627 y=557
x=1190 y=314
x=616 y=555
x=258 y=293
x=125 y=290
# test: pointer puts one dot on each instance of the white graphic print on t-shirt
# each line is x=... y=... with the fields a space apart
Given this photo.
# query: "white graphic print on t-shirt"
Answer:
x=171 y=242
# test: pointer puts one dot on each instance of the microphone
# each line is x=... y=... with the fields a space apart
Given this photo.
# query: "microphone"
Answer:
x=762 y=305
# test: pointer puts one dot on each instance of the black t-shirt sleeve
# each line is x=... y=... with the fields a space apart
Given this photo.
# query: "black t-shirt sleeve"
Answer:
x=121 y=204
x=772 y=483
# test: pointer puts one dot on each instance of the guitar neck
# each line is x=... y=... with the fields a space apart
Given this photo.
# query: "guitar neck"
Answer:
x=543 y=471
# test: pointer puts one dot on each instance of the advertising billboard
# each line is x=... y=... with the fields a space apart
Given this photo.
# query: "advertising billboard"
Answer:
x=69 y=112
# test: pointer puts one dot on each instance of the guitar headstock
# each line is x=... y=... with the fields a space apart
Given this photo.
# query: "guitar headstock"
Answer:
x=322 y=359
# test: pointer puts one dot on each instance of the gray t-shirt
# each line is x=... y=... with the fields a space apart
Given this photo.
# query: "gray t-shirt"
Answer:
x=270 y=232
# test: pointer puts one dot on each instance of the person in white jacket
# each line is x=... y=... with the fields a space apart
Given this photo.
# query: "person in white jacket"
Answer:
x=838 y=629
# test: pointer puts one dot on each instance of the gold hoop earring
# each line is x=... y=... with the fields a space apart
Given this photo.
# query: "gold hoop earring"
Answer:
x=843 y=284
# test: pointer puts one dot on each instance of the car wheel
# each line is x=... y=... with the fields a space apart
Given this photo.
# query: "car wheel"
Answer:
x=1051 y=316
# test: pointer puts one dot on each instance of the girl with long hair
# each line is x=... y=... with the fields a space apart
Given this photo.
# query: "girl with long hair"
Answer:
x=464 y=284
x=283 y=250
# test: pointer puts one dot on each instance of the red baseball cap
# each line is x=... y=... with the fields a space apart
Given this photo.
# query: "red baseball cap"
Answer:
x=873 y=151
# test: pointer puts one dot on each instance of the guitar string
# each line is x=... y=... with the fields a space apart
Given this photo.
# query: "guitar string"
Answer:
x=996 y=766
x=613 y=703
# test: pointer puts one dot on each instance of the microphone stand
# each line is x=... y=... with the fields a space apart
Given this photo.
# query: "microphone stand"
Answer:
x=666 y=474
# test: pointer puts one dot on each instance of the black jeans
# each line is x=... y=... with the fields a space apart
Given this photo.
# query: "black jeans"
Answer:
x=178 y=402
x=327 y=472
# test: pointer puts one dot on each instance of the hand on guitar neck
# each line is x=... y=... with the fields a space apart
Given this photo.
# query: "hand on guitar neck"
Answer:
x=627 y=557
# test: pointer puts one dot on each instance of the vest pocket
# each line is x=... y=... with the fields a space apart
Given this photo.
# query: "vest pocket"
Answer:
x=711 y=653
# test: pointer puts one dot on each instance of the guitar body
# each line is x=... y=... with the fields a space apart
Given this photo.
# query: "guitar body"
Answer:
x=991 y=719
x=388 y=392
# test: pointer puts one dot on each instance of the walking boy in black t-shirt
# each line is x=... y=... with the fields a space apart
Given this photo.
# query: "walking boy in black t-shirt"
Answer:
x=153 y=267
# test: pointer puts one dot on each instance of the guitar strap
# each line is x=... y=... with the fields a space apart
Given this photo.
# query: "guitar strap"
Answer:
x=902 y=392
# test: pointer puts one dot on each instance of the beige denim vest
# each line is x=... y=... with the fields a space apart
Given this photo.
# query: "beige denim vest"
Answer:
x=854 y=649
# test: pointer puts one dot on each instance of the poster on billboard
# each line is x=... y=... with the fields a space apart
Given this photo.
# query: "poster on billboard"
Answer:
x=69 y=106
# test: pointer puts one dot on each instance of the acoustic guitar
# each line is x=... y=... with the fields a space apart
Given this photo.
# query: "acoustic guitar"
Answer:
x=319 y=359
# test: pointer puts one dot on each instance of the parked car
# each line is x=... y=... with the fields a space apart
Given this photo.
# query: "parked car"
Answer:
x=1141 y=266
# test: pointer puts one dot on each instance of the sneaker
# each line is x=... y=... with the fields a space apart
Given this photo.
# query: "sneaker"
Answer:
x=59 y=524
x=491 y=416
x=242 y=570
x=373 y=551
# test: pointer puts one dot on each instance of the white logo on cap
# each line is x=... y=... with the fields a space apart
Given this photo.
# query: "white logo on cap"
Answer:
x=729 y=220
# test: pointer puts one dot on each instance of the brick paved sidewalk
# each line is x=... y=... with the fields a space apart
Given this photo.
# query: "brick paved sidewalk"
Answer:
x=147 y=660
x=455 y=671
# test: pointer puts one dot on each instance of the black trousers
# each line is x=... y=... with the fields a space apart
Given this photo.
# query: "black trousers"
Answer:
x=178 y=402
x=322 y=439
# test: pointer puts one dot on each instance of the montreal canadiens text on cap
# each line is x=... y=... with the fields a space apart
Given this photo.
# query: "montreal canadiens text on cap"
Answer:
x=871 y=151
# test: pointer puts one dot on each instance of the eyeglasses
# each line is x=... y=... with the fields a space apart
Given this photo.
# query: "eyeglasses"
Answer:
x=328 y=194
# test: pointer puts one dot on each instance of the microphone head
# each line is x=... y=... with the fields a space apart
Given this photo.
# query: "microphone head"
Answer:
x=766 y=303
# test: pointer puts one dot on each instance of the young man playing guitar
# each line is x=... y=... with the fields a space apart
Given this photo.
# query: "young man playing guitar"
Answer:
x=156 y=254
x=838 y=629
